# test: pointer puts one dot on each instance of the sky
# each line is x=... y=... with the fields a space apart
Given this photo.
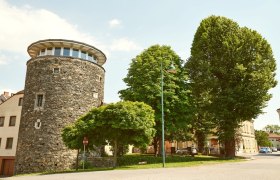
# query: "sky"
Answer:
x=122 y=29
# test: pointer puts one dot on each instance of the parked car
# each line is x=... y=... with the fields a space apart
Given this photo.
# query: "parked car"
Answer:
x=274 y=149
x=265 y=150
x=187 y=151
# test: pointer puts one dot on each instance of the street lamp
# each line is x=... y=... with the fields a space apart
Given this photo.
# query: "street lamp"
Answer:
x=162 y=118
x=278 y=110
x=172 y=70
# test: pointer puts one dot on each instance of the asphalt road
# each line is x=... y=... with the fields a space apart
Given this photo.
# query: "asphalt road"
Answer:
x=259 y=167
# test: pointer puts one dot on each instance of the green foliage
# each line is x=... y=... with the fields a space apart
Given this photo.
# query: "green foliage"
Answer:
x=272 y=129
x=144 y=84
x=119 y=123
x=262 y=138
x=231 y=70
x=134 y=160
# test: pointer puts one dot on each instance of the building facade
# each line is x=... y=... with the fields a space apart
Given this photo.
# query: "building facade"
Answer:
x=275 y=140
x=64 y=79
x=245 y=140
x=10 y=112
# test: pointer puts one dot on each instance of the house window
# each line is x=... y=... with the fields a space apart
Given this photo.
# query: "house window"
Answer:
x=90 y=58
x=83 y=55
x=94 y=59
x=39 y=101
x=66 y=52
x=12 y=121
x=9 y=143
x=2 y=121
x=49 y=51
x=56 y=70
x=75 y=53
x=43 y=52
x=57 y=51
x=95 y=95
x=20 y=101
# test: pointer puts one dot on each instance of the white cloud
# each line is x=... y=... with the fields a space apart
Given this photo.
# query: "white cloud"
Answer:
x=124 y=44
x=3 y=59
x=21 y=26
x=114 y=23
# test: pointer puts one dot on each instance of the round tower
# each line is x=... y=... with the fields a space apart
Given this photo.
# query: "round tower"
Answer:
x=64 y=79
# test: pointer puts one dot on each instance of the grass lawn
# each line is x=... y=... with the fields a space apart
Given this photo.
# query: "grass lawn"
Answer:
x=128 y=162
x=180 y=161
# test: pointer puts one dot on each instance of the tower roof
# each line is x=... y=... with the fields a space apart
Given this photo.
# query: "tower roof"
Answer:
x=34 y=49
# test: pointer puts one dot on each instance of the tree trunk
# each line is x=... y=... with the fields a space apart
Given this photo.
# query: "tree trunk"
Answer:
x=155 y=144
x=230 y=147
x=200 y=141
x=77 y=160
x=115 y=153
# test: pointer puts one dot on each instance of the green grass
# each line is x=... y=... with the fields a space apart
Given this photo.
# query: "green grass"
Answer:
x=130 y=162
x=180 y=161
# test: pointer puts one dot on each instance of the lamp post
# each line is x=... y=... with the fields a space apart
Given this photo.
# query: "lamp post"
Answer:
x=278 y=110
x=162 y=118
x=171 y=70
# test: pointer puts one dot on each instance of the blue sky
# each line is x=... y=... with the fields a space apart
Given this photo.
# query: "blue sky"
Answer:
x=123 y=29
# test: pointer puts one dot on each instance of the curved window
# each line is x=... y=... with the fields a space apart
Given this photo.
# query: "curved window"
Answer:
x=75 y=53
x=90 y=58
x=49 y=51
x=59 y=51
x=66 y=51
x=84 y=55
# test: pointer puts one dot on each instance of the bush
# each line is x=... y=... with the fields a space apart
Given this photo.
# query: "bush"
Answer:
x=134 y=160
x=87 y=164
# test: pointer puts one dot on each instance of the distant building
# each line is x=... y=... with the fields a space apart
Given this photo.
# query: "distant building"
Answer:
x=10 y=112
x=274 y=139
x=245 y=140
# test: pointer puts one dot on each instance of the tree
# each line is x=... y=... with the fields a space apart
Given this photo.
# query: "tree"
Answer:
x=262 y=138
x=232 y=68
x=144 y=84
x=272 y=129
x=121 y=123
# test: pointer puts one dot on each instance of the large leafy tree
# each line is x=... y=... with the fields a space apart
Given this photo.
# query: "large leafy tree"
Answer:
x=144 y=84
x=272 y=129
x=231 y=69
x=262 y=138
x=121 y=123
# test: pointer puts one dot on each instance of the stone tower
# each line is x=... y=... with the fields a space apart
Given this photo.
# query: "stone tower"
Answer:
x=64 y=79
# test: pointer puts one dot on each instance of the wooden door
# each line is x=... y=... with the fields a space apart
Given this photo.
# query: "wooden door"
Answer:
x=8 y=167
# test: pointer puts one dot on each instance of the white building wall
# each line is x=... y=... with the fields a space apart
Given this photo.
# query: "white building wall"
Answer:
x=7 y=109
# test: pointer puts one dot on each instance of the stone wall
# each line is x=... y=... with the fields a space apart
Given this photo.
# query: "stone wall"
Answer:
x=68 y=93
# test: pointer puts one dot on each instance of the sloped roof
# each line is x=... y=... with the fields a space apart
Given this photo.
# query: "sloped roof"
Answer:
x=273 y=135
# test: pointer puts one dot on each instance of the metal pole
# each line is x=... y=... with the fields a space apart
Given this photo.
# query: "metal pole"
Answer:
x=162 y=118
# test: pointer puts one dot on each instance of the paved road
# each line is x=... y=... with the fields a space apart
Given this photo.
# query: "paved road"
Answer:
x=260 y=167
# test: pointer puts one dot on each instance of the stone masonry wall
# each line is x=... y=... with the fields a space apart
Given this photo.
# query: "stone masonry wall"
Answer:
x=67 y=95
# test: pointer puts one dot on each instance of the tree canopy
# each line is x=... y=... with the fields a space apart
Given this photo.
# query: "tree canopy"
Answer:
x=144 y=84
x=272 y=129
x=231 y=69
x=262 y=138
x=119 y=123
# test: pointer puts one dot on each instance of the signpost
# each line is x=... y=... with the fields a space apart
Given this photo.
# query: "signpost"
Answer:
x=85 y=142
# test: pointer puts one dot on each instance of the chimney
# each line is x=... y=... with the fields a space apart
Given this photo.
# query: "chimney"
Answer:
x=6 y=94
